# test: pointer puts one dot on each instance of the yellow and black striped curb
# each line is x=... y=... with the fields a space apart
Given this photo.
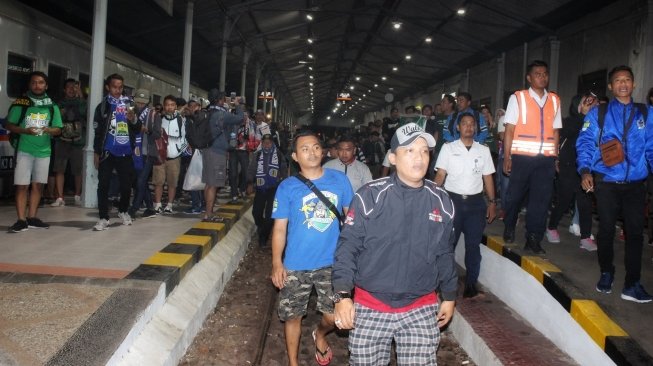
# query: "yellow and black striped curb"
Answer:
x=171 y=263
x=614 y=341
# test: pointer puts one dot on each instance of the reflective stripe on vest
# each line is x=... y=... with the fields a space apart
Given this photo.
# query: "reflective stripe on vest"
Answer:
x=535 y=136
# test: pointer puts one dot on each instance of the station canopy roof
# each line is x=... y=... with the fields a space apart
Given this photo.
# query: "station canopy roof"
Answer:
x=367 y=48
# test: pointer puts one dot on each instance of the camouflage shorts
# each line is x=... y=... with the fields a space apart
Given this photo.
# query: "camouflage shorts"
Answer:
x=293 y=297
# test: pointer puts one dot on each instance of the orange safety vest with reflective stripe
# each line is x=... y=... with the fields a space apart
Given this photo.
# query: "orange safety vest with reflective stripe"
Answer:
x=534 y=129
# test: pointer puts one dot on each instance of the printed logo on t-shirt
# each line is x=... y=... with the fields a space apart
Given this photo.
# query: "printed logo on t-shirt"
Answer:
x=317 y=214
x=36 y=120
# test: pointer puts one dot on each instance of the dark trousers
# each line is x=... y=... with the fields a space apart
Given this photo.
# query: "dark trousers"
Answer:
x=568 y=188
x=262 y=212
x=470 y=220
x=238 y=181
x=501 y=182
x=124 y=166
x=142 y=192
x=629 y=201
x=197 y=200
x=532 y=177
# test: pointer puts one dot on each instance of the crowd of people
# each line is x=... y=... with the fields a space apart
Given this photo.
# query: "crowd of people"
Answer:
x=369 y=219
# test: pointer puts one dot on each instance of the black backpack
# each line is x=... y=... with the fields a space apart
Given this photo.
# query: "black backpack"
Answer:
x=454 y=118
x=198 y=129
x=23 y=103
x=603 y=109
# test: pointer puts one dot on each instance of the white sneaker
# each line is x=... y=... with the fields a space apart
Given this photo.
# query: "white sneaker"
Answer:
x=59 y=202
x=126 y=219
x=101 y=225
x=168 y=209
x=78 y=200
x=574 y=229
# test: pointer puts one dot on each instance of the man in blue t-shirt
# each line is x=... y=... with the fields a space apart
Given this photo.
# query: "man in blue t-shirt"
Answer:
x=308 y=230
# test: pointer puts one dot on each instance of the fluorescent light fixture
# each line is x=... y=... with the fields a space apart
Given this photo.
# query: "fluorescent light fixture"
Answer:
x=310 y=76
x=376 y=85
x=396 y=25
x=309 y=17
x=358 y=78
x=395 y=68
x=303 y=62
x=408 y=57
x=383 y=78
x=428 y=39
x=461 y=11
x=310 y=68
x=328 y=118
x=310 y=40
x=351 y=87
x=338 y=104
x=310 y=55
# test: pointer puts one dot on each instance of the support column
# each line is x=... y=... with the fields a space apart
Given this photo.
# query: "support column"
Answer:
x=272 y=104
x=188 y=46
x=554 y=63
x=243 y=76
x=90 y=179
x=464 y=85
x=256 y=82
x=223 y=56
x=266 y=87
x=642 y=60
x=524 y=66
x=501 y=82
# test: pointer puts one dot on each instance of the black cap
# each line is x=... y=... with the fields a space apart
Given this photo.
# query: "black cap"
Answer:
x=267 y=136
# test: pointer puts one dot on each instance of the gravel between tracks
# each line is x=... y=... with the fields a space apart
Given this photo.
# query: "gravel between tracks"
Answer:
x=236 y=332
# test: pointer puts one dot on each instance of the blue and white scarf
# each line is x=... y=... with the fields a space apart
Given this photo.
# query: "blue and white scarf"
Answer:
x=117 y=140
x=267 y=169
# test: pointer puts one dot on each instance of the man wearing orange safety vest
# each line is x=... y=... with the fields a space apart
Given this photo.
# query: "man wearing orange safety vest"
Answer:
x=532 y=122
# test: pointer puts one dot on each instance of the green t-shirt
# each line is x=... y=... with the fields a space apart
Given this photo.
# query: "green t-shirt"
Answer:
x=37 y=115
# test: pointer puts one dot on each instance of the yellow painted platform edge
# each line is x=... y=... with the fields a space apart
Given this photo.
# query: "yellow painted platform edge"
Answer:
x=495 y=243
x=169 y=259
x=598 y=325
x=537 y=266
x=217 y=226
x=202 y=240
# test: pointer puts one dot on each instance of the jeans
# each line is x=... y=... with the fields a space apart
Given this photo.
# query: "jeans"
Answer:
x=470 y=220
x=143 y=193
x=197 y=200
x=238 y=181
x=262 y=212
x=502 y=181
x=124 y=166
x=629 y=200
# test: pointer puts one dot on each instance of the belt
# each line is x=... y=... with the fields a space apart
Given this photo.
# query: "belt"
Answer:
x=465 y=196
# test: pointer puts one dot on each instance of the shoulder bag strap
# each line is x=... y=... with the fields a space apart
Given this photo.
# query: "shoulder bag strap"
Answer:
x=319 y=195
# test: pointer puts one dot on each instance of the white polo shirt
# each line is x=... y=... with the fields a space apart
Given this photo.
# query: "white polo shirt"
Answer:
x=465 y=168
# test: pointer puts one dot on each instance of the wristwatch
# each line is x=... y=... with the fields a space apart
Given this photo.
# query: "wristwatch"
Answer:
x=493 y=200
x=338 y=296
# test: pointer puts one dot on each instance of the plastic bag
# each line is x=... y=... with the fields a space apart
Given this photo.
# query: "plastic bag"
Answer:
x=193 y=179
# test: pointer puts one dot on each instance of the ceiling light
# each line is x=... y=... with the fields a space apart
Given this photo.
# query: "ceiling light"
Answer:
x=359 y=99
x=311 y=83
x=338 y=104
x=369 y=91
x=376 y=85
x=351 y=87
x=358 y=78
x=364 y=95
x=461 y=11
x=309 y=17
x=328 y=118
x=395 y=68
x=428 y=39
x=303 y=62
x=310 y=55
x=383 y=78
x=310 y=68
x=408 y=57
x=352 y=120
x=310 y=40
x=310 y=76
x=396 y=25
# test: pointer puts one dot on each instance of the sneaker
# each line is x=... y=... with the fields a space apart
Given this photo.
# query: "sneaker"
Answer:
x=36 y=223
x=193 y=211
x=101 y=225
x=126 y=219
x=168 y=210
x=158 y=210
x=588 y=244
x=59 y=202
x=552 y=236
x=148 y=213
x=78 y=200
x=574 y=229
x=636 y=293
x=234 y=199
x=19 y=226
x=605 y=283
x=509 y=235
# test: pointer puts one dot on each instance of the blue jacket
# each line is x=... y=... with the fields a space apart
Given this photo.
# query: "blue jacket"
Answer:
x=481 y=133
x=221 y=123
x=397 y=243
x=638 y=144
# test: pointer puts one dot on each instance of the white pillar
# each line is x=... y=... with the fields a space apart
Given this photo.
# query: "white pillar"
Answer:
x=243 y=75
x=501 y=81
x=554 y=63
x=89 y=191
x=266 y=87
x=641 y=62
x=223 y=56
x=256 y=82
x=188 y=46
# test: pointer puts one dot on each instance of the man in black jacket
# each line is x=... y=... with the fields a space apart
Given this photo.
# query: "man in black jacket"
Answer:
x=568 y=183
x=396 y=250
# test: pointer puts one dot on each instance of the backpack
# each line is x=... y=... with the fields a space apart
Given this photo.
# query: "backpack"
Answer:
x=198 y=129
x=603 y=110
x=454 y=118
x=23 y=103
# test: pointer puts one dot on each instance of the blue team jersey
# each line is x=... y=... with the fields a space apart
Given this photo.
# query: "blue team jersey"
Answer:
x=313 y=229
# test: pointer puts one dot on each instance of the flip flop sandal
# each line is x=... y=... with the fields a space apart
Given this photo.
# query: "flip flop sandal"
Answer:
x=327 y=355
x=217 y=219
